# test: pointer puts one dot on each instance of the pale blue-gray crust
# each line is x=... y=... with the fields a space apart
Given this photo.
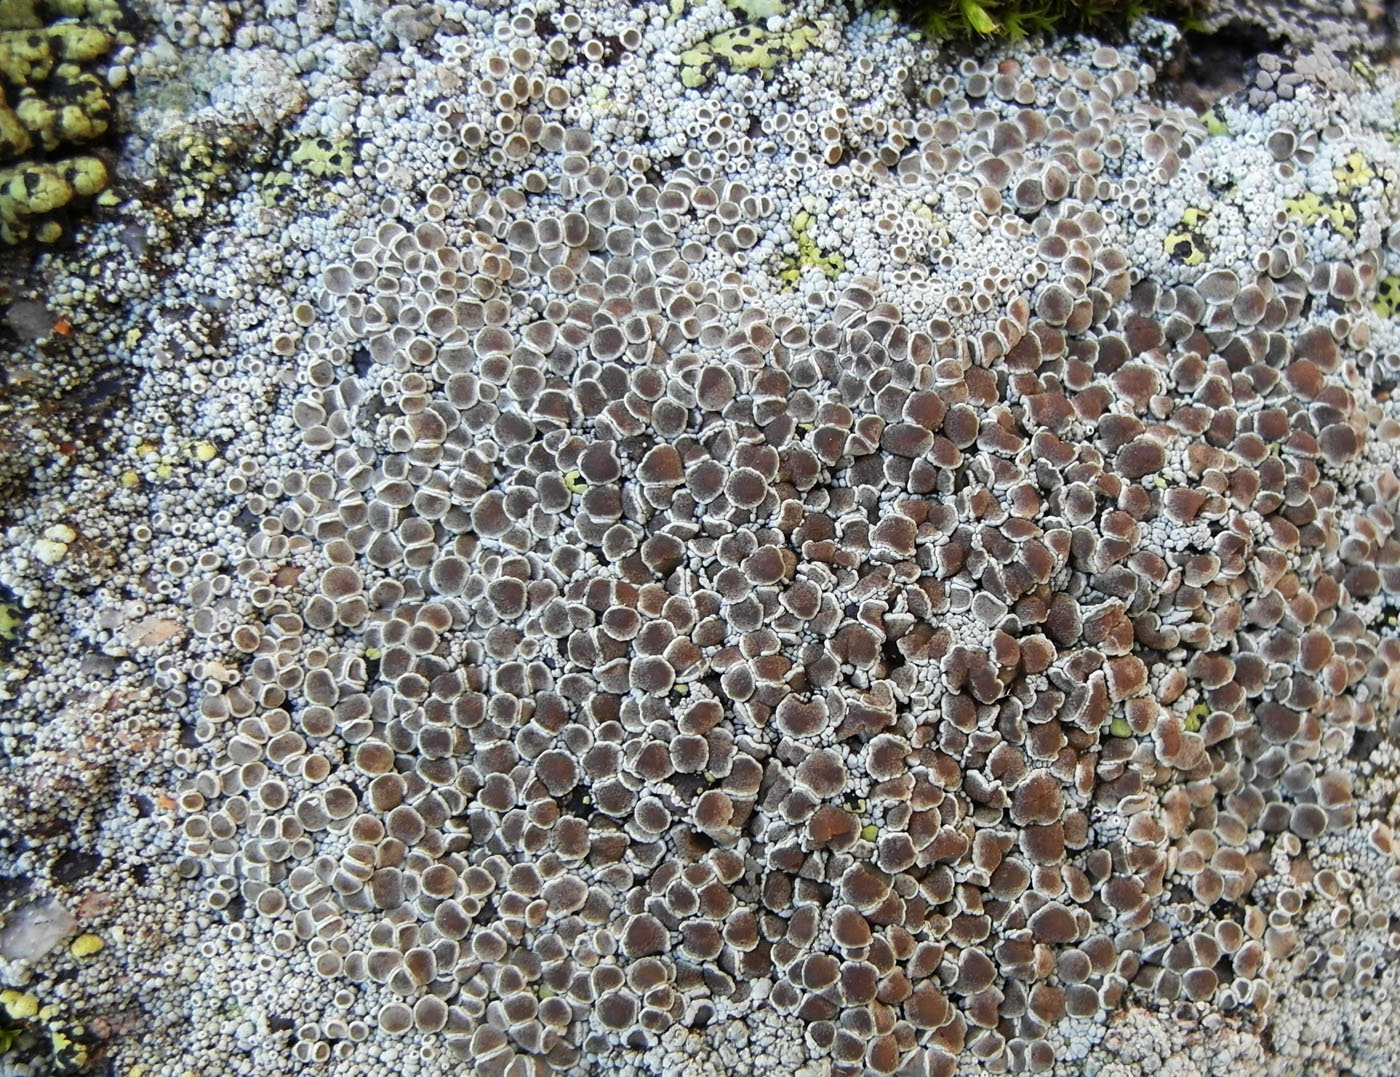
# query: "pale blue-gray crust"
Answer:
x=700 y=539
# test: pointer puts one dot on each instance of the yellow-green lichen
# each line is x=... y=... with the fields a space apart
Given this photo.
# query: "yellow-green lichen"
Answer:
x=32 y=193
x=743 y=49
x=1119 y=727
x=85 y=946
x=19 y=15
x=1187 y=243
x=808 y=255
x=1195 y=716
x=752 y=10
x=319 y=157
x=1216 y=124
x=76 y=109
x=19 y=1005
x=1311 y=208
x=322 y=157
x=10 y=620
x=107 y=14
x=1017 y=19
x=1354 y=172
x=200 y=157
x=1387 y=302
x=50 y=98
x=34 y=1029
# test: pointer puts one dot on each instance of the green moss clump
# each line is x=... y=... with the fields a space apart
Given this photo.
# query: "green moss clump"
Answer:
x=944 y=20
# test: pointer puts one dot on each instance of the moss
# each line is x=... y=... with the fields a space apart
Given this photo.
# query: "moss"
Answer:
x=944 y=20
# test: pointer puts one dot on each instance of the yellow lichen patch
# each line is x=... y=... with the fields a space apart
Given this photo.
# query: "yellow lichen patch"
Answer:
x=1352 y=173
x=1387 y=301
x=1312 y=208
x=85 y=946
x=200 y=158
x=68 y=1054
x=752 y=10
x=1364 y=71
x=30 y=193
x=745 y=48
x=1187 y=243
x=204 y=451
x=10 y=620
x=808 y=254
x=1216 y=124
x=322 y=157
x=50 y=100
x=19 y=1006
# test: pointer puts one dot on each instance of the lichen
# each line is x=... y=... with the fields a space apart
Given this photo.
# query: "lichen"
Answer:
x=51 y=101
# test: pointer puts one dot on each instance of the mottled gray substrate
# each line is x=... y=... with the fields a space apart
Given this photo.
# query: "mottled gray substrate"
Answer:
x=643 y=546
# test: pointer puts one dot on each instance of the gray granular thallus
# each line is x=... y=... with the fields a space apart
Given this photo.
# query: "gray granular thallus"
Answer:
x=705 y=539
